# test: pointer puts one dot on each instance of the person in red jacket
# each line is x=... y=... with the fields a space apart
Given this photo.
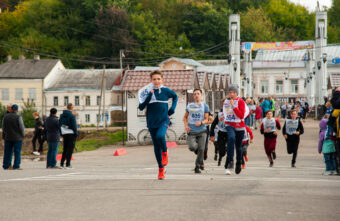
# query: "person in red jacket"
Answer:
x=258 y=114
x=234 y=110
x=269 y=128
x=245 y=143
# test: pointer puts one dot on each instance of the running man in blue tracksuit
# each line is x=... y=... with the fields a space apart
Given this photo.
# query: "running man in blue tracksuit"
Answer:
x=157 y=117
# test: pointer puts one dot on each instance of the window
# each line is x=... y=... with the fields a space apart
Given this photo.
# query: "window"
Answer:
x=18 y=94
x=32 y=93
x=294 y=86
x=279 y=87
x=76 y=101
x=65 y=100
x=264 y=87
x=98 y=100
x=55 y=101
x=5 y=94
x=87 y=101
x=87 y=118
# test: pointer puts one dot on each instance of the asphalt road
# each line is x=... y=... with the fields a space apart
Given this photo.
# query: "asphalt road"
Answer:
x=104 y=187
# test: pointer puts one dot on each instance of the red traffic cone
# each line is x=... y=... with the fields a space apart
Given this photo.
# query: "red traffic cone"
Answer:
x=171 y=144
x=59 y=157
x=119 y=152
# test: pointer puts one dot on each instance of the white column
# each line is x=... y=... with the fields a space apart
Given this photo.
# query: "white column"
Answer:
x=234 y=49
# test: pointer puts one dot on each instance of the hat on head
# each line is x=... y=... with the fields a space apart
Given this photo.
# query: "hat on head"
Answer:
x=15 y=107
x=233 y=87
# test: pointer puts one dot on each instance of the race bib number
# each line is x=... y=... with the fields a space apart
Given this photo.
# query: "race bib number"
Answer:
x=228 y=112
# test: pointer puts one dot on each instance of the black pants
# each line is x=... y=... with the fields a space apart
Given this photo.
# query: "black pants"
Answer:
x=292 y=146
x=337 y=155
x=38 y=135
x=69 y=144
x=222 y=143
x=206 y=144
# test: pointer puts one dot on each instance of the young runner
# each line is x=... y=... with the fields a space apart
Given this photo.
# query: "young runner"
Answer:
x=245 y=143
x=292 y=130
x=234 y=110
x=270 y=127
x=195 y=119
x=221 y=137
x=155 y=98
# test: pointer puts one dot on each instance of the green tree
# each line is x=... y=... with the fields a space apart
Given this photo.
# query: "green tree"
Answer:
x=2 y=113
x=27 y=113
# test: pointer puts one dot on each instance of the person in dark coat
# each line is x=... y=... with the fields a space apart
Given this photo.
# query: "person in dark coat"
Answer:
x=69 y=133
x=52 y=131
x=13 y=131
x=38 y=134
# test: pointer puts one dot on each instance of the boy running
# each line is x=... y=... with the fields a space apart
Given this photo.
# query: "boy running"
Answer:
x=245 y=143
x=292 y=130
x=195 y=120
x=222 y=136
x=155 y=98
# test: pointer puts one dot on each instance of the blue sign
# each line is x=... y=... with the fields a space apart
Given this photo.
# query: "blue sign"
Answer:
x=336 y=60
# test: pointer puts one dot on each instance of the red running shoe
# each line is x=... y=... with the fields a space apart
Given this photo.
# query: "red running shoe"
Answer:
x=243 y=166
x=165 y=158
x=161 y=174
x=246 y=158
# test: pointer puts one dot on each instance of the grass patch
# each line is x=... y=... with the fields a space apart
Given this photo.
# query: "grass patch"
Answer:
x=96 y=140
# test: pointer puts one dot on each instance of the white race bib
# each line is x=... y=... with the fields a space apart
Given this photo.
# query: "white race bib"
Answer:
x=221 y=124
x=143 y=94
x=291 y=126
x=246 y=135
x=196 y=112
x=229 y=114
x=269 y=124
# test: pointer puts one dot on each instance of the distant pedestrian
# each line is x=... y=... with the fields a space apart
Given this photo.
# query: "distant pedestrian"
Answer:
x=155 y=98
x=258 y=115
x=327 y=146
x=270 y=128
x=69 y=133
x=284 y=110
x=38 y=134
x=13 y=131
x=291 y=131
x=52 y=130
x=195 y=120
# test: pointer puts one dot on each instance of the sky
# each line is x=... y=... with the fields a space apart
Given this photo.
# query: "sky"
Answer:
x=311 y=4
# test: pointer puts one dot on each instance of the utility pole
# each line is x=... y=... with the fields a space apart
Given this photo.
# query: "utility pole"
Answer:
x=121 y=56
x=101 y=95
x=104 y=92
x=234 y=49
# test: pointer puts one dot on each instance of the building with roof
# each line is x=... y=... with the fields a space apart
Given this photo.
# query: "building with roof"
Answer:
x=22 y=79
x=180 y=81
x=174 y=63
x=82 y=88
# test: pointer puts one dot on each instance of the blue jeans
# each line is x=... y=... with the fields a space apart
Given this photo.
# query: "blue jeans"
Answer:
x=52 y=154
x=159 y=143
x=234 y=141
x=10 y=148
x=252 y=118
x=247 y=121
x=330 y=161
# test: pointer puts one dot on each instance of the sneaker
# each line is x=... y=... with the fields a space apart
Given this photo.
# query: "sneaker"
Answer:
x=205 y=156
x=271 y=164
x=274 y=155
x=69 y=167
x=161 y=174
x=197 y=170
x=293 y=165
x=215 y=157
x=246 y=158
x=334 y=172
x=238 y=168
x=165 y=158
x=327 y=173
x=17 y=168
x=36 y=153
x=202 y=167
x=231 y=165
x=227 y=172
x=243 y=166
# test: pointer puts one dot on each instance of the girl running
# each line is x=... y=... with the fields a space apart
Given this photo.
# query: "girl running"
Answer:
x=269 y=128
